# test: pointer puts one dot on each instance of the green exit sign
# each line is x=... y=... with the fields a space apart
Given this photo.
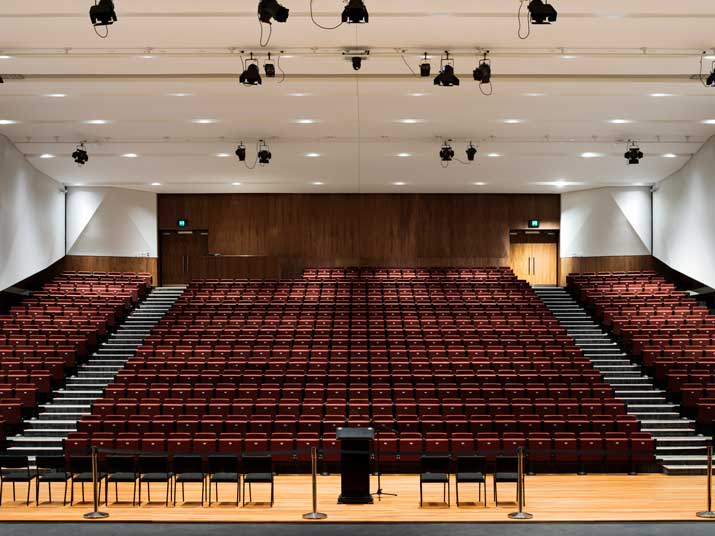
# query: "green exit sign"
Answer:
x=182 y=223
x=534 y=224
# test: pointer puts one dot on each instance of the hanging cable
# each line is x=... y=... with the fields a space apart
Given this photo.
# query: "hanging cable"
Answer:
x=255 y=162
x=99 y=34
x=270 y=34
x=528 y=22
x=278 y=66
x=408 y=65
x=320 y=25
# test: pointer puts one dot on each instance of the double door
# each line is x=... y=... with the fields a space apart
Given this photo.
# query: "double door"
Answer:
x=535 y=262
x=183 y=256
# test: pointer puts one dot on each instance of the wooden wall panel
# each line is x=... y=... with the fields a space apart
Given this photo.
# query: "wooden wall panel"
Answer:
x=113 y=264
x=604 y=264
x=361 y=229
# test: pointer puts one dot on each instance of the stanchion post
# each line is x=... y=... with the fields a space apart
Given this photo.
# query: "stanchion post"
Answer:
x=520 y=488
x=314 y=471
x=709 y=514
x=95 y=513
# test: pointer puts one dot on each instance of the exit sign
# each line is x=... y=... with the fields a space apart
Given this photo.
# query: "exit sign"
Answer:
x=534 y=224
x=182 y=223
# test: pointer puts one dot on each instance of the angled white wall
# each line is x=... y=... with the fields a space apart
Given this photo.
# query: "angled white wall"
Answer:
x=684 y=217
x=32 y=218
x=606 y=222
x=111 y=222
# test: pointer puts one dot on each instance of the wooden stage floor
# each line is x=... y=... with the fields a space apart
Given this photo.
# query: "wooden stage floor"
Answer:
x=647 y=497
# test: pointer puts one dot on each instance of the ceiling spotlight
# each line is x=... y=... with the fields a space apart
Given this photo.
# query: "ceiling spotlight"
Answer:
x=446 y=153
x=271 y=9
x=425 y=67
x=483 y=72
x=633 y=154
x=357 y=63
x=241 y=152
x=251 y=76
x=446 y=77
x=264 y=154
x=471 y=152
x=102 y=13
x=80 y=155
x=270 y=70
x=355 y=12
x=542 y=12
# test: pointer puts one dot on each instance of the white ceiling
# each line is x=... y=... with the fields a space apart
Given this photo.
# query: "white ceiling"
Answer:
x=620 y=56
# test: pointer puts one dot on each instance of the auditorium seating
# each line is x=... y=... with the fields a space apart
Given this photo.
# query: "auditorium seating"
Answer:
x=48 y=333
x=666 y=329
x=438 y=361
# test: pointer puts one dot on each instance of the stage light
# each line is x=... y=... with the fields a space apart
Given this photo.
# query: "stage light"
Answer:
x=270 y=70
x=271 y=9
x=483 y=72
x=446 y=153
x=471 y=152
x=633 y=154
x=357 y=63
x=355 y=12
x=710 y=82
x=80 y=155
x=446 y=77
x=425 y=67
x=241 y=152
x=102 y=13
x=252 y=75
x=264 y=154
x=542 y=12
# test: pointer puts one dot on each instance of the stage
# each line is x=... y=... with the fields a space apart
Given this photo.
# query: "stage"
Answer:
x=550 y=498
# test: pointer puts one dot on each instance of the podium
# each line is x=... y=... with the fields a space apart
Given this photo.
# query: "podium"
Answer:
x=355 y=465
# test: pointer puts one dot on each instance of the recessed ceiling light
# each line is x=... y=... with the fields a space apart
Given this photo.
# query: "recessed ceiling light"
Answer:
x=409 y=121
x=47 y=156
x=305 y=121
x=591 y=155
x=404 y=155
x=619 y=121
x=513 y=121
x=312 y=155
x=288 y=56
x=670 y=155
x=494 y=155
x=638 y=184
x=399 y=183
x=204 y=121
x=662 y=95
x=5 y=57
x=236 y=184
x=560 y=184
x=147 y=57
x=417 y=94
x=480 y=184
x=709 y=122
x=155 y=184
x=534 y=94
x=7 y=122
x=96 y=122
x=130 y=155
x=180 y=94
x=568 y=57
x=317 y=183
x=56 y=95
x=298 y=94
x=223 y=155
x=78 y=184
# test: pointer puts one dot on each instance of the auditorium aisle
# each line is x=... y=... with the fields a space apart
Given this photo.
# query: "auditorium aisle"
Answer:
x=43 y=434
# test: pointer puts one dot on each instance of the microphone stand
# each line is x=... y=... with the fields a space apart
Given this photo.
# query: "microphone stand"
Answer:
x=379 y=493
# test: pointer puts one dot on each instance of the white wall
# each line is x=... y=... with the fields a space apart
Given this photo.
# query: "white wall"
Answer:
x=111 y=222
x=606 y=222
x=684 y=217
x=32 y=217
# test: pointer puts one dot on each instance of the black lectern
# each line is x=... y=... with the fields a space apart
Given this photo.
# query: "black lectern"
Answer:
x=355 y=465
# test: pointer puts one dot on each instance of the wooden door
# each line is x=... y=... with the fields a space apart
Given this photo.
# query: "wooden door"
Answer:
x=183 y=256
x=535 y=262
x=521 y=260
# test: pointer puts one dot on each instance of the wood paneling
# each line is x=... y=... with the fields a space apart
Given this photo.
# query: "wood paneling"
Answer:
x=113 y=264
x=594 y=497
x=604 y=264
x=295 y=231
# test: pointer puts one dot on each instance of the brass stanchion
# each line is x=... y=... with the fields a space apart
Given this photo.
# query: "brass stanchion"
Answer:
x=95 y=514
x=314 y=470
x=709 y=514
x=520 y=488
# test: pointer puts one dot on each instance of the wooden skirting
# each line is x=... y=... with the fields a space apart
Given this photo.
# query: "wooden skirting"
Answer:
x=604 y=264
x=113 y=264
x=646 y=497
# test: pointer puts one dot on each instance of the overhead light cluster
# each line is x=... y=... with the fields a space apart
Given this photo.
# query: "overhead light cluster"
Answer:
x=447 y=77
x=447 y=153
x=263 y=154
x=251 y=75
x=80 y=155
x=633 y=154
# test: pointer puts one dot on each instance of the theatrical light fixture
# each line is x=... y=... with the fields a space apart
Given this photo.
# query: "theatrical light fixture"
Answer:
x=264 y=153
x=471 y=152
x=80 y=155
x=710 y=82
x=271 y=9
x=425 y=67
x=355 y=12
x=251 y=76
x=446 y=153
x=633 y=154
x=542 y=12
x=102 y=13
x=446 y=76
x=357 y=63
x=269 y=68
x=241 y=152
x=483 y=72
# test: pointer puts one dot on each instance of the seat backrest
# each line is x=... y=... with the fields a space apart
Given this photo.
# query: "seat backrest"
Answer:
x=153 y=464
x=471 y=464
x=435 y=464
x=80 y=464
x=257 y=464
x=14 y=462
x=120 y=464
x=223 y=463
x=189 y=463
x=53 y=463
x=507 y=464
